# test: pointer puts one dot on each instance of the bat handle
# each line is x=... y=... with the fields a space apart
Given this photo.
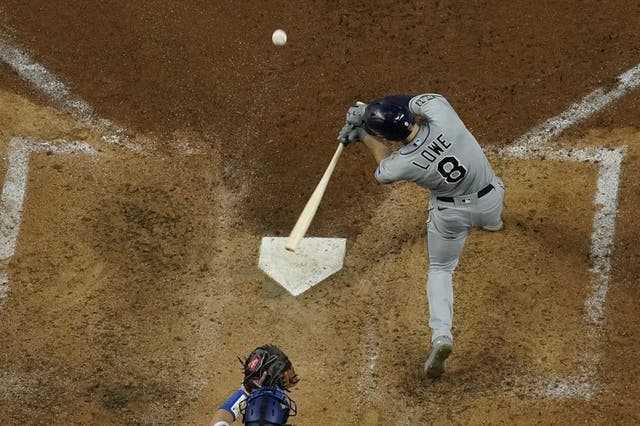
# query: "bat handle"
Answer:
x=309 y=211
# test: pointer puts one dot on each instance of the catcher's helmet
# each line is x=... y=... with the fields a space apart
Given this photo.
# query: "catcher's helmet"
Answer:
x=268 y=406
x=269 y=360
x=388 y=119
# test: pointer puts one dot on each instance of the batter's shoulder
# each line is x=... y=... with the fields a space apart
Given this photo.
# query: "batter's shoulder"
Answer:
x=429 y=103
x=423 y=99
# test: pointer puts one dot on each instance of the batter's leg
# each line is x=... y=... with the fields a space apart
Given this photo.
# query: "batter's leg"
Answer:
x=488 y=212
x=444 y=253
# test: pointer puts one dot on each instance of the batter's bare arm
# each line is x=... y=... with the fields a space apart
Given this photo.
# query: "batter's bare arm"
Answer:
x=379 y=150
x=221 y=418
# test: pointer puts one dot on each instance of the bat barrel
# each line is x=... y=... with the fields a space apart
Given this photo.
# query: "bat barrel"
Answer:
x=309 y=211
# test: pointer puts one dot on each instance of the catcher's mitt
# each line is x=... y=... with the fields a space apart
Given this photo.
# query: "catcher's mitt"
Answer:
x=268 y=366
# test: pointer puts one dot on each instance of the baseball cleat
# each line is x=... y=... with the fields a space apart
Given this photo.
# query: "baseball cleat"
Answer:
x=440 y=350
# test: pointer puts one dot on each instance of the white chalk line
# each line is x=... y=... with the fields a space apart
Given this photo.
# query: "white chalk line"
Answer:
x=4 y=287
x=36 y=74
x=606 y=198
x=536 y=138
x=584 y=384
x=533 y=144
x=50 y=85
x=366 y=386
x=14 y=190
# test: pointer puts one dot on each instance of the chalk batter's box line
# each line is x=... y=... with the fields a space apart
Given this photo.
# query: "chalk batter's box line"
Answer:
x=534 y=144
x=14 y=192
x=36 y=74
x=584 y=383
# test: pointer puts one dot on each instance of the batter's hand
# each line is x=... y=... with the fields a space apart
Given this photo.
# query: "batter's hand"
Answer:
x=350 y=134
x=356 y=134
x=355 y=113
x=343 y=136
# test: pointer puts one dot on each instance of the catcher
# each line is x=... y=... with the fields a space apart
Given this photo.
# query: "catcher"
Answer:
x=261 y=399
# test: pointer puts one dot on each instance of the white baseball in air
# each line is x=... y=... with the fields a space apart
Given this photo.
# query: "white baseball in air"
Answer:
x=279 y=37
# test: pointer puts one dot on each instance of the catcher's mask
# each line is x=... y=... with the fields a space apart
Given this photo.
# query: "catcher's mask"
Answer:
x=268 y=406
x=388 y=119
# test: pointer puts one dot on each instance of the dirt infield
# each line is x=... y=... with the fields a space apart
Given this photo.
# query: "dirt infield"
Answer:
x=132 y=282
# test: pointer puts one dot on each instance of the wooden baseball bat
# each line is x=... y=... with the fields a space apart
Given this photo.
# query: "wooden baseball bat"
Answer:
x=309 y=211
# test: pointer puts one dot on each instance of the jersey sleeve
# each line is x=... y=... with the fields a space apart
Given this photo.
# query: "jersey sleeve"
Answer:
x=232 y=405
x=423 y=105
x=390 y=169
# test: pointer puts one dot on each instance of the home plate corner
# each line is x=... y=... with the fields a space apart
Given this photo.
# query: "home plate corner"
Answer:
x=314 y=260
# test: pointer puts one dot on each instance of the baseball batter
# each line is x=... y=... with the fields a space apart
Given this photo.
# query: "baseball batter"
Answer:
x=442 y=156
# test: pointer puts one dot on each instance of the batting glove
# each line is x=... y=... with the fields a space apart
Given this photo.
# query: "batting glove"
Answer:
x=357 y=134
x=343 y=136
x=355 y=113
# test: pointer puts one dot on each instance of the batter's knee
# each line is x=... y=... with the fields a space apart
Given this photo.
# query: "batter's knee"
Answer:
x=447 y=267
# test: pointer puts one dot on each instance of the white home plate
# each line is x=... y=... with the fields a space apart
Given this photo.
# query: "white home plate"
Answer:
x=314 y=260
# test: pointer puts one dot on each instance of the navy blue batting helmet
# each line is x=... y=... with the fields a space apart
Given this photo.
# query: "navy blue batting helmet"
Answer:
x=388 y=119
x=268 y=406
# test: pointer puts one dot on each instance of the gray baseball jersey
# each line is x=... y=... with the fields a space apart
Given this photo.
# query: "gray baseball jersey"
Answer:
x=444 y=157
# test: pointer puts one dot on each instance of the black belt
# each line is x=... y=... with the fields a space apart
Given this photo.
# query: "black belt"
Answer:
x=484 y=191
